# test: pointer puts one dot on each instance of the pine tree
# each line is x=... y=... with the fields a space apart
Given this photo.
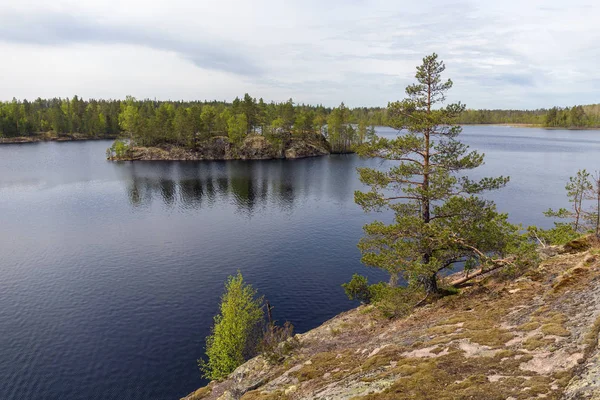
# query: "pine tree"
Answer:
x=577 y=188
x=439 y=219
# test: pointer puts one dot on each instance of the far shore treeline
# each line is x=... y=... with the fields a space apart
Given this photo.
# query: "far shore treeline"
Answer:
x=151 y=122
x=183 y=123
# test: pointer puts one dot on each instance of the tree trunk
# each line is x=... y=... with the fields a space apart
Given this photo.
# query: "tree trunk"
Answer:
x=430 y=284
x=577 y=206
x=598 y=208
x=393 y=279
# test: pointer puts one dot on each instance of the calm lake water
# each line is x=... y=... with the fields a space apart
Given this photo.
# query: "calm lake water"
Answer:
x=110 y=273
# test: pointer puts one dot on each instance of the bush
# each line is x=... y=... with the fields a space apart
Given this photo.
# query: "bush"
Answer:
x=560 y=234
x=118 y=149
x=358 y=289
x=236 y=328
x=278 y=342
x=394 y=302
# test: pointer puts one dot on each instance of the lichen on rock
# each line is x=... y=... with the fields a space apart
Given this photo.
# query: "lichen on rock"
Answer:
x=497 y=339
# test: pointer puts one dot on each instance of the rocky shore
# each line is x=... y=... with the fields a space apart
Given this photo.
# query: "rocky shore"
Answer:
x=502 y=337
x=253 y=147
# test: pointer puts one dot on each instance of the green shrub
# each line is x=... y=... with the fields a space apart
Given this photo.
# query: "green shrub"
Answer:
x=560 y=234
x=358 y=289
x=236 y=330
x=118 y=149
x=393 y=302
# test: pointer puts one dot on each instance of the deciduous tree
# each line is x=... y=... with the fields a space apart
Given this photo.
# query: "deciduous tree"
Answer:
x=231 y=341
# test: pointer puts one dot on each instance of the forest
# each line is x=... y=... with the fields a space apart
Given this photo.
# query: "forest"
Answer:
x=186 y=123
x=154 y=123
x=581 y=117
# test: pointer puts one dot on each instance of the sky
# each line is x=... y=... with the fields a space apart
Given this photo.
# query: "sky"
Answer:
x=500 y=54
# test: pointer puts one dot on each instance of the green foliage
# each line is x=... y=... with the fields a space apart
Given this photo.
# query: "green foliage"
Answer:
x=534 y=117
x=341 y=134
x=439 y=219
x=237 y=126
x=391 y=302
x=394 y=302
x=118 y=149
x=358 y=289
x=584 y=215
x=558 y=235
x=576 y=188
x=137 y=119
x=233 y=339
x=576 y=117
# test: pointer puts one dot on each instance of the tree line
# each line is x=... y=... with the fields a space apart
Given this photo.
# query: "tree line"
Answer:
x=587 y=116
x=93 y=118
x=187 y=123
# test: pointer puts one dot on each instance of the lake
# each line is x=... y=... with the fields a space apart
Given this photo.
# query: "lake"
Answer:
x=110 y=273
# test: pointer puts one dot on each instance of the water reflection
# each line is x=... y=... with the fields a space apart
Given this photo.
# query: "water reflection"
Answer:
x=248 y=185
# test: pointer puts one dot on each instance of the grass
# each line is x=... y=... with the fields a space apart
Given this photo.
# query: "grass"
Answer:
x=591 y=338
x=383 y=358
x=529 y=326
x=537 y=342
x=493 y=337
x=453 y=376
x=201 y=393
x=259 y=395
x=570 y=278
x=554 y=329
x=321 y=363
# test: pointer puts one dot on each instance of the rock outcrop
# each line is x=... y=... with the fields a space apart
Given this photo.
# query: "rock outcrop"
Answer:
x=254 y=147
x=529 y=336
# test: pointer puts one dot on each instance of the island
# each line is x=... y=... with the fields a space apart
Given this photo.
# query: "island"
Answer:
x=253 y=147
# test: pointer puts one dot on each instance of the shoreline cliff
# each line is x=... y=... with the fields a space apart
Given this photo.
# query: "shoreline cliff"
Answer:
x=500 y=337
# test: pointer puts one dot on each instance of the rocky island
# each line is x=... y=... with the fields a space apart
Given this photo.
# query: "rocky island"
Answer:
x=253 y=147
x=531 y=337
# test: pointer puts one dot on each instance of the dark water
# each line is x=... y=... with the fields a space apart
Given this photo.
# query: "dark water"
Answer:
x=110 y=273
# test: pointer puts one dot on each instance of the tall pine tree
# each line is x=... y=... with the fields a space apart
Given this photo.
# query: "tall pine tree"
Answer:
x=439 y=219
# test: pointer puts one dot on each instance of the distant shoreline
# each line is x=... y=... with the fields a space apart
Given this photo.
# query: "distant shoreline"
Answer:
x=51 y=138
x=550 y=128
x=48 y=137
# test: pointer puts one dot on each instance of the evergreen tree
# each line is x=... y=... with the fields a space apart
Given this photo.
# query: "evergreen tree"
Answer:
x=577 y=188
x=250 y=109
x=439 y=220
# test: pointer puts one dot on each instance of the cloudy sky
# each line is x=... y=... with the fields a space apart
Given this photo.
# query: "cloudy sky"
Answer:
x=500 y=54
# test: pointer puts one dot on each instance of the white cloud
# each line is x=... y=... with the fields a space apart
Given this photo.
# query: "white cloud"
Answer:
x=511 y=54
